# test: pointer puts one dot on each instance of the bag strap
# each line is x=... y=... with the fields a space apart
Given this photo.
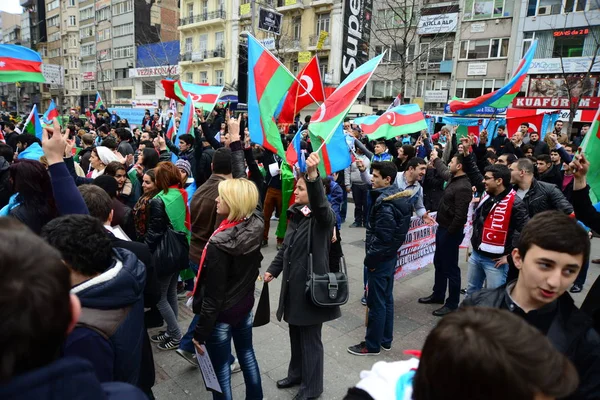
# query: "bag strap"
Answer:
x=309 y=249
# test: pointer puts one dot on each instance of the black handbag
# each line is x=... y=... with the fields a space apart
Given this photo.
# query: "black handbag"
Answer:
x=329 y=289
x=172 y=253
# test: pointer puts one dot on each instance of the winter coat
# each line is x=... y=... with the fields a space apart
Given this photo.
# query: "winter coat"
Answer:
x=544 y=196
x=570 y=331
x=110 y=331
x=229 y=272
x=433 y=189
x=84 y=158
x=389 y=220
x=70 y=378
x=539 y=147
x=292 y=259
x=336 y=198
x=553 y=176
x=5 y=189
x=203 y=210
x=454 y=206
x=518 y=219
x=499 y=143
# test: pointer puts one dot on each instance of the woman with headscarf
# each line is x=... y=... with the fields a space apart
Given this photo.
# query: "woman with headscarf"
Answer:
x=101 y=156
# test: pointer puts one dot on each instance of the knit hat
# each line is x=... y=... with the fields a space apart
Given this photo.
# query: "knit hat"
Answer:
x=185 y=166
x=106 y=155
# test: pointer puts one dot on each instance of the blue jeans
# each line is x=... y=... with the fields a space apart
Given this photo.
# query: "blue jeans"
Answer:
x=186 y=341
x=380 y=300
x=482 y=268
x=219 y=349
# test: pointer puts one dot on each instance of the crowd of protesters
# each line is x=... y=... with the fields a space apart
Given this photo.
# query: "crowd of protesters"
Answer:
x=127 y=221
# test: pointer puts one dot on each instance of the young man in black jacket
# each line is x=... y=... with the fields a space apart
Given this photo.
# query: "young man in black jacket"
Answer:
x=388 y=222
x=451 y=217
x=551 y=251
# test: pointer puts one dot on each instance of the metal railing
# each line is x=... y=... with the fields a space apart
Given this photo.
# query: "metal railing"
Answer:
x=194 y=19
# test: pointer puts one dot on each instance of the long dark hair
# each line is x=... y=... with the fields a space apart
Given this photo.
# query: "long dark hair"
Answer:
x=150 y=158
x=31 y=181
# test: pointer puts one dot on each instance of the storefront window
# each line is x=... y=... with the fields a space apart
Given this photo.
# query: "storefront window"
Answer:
x=568 y=46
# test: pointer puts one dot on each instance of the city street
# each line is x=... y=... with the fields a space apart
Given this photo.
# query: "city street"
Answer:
x=176 y=379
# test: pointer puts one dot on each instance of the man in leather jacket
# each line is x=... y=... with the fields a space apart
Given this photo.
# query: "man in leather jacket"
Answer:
x=551 y=251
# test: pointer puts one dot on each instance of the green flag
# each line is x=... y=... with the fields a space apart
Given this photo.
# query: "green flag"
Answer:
x=287 y=197
x=591 y=150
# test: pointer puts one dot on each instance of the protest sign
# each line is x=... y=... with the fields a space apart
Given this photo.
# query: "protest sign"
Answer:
x=418 y=248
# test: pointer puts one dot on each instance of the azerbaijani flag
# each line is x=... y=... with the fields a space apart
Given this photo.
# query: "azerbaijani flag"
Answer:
x=590 y=147
x=186 y=124
x=32 y=124
x=50 y=113
x=400 y=120
x=327 y=119
x=288 y=184
x=335 y=155
x=268 y=83
x=20 y=64
x=171 y=128
x=204 y=97
x=502 y=97
x=99 y=105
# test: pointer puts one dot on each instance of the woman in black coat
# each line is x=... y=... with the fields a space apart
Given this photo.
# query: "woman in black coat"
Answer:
x=305 y=319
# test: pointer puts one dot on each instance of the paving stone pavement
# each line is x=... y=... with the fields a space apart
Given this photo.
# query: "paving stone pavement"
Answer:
x=176 y=379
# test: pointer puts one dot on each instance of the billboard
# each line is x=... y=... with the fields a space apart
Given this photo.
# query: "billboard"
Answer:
x=356 y=35
x=269 y=21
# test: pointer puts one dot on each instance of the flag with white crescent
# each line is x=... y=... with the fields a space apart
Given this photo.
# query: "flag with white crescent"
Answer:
x=300 y=96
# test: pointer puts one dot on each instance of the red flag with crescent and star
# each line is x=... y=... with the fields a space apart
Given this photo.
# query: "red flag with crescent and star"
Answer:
x=299 y=96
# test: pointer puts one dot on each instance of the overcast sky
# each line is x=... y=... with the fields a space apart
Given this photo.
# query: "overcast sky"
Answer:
x=11 y=6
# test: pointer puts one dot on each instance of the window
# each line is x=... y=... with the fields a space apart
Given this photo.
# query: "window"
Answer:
x=323 y=66
x=322 y=23
x=105 y=75
x=397 y=17
x=469 y=89
x=103 y=34
x=53 y=5
x=54 y=53
x=123 y=93
x=190 y=9
x=88 y=66
x=122 y=73
x=481 y=49
x=297 y=27
x=105 y=55
x=53 y=21
x=122 y=7
x=71 y=3
x=86 y=32
x=203 y=77
x=123 y=52
x=482 y=9
x=528 y=38
x=382 y=89
x=122 y=30
x=72 y=20
x=103 y=14
x=88 y=49
x=148 y=88
x=203 y=44
x=568 y=46
x=219 y=40
x=54 y=37
x=189 y=42
x=219 y=77
x=86 y=13
x=73 y=63
x=221 y=5
x=189 y=76
x=205 y=8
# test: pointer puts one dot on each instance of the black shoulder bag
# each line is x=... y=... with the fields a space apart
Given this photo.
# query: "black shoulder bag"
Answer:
x=172 y=252
x=329 y=289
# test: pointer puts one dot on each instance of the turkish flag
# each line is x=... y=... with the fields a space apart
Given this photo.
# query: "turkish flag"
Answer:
x=534 y=121
x=298 y=96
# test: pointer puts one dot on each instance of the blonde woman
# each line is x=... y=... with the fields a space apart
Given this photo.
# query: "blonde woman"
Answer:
x=224 y=293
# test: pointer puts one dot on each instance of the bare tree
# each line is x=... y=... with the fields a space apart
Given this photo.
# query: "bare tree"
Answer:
x=394 y=29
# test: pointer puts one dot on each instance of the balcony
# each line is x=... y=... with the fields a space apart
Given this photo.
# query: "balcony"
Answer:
x=203 y=56
x=314 y=39
x=289 y=5
x=202 y=19
x=320 y=3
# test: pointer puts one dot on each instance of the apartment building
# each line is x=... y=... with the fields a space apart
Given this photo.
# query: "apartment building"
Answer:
x=154 y=62
x=9 y=34
x=566 y=63
x=209 y=34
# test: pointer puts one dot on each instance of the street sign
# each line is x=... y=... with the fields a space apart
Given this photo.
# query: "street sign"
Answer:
x=269 y=21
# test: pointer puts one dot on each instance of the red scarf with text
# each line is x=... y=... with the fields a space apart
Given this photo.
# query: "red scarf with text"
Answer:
x=495 y=227
x=224 y=226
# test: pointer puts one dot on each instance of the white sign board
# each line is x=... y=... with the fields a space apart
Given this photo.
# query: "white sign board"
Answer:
x=478 y=27
x=269 y=43
x=439 y=23
x=144 y=103
x=436 y=96
x=418 y=248
x=477 y=69
x=54 y=74
x=570 y=65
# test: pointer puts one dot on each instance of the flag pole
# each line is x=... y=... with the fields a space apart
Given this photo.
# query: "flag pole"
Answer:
x=284 y=67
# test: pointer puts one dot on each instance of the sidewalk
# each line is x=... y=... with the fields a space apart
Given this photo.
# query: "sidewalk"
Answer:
x=177 y=379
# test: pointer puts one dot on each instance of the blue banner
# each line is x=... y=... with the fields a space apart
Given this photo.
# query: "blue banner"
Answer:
x=549 y=120
x=461 y=121
x=482 y=110
x=134 y=116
